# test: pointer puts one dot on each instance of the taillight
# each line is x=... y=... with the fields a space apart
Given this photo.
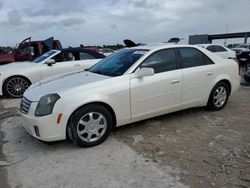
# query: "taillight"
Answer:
x=237 y=63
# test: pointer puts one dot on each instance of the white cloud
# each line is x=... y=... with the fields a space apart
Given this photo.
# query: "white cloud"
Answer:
x=14 y=18
x=110 y=21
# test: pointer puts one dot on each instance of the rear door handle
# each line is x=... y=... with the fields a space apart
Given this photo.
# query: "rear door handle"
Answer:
x=175 y=81
x=76 y=65
x=209 y=73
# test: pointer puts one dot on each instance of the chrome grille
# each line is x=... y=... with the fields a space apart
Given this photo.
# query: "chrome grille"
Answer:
x=25 y=105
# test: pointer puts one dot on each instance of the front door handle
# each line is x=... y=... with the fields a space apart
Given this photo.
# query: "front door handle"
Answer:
x=175 y=81
x=76 y=65
x=209 y=73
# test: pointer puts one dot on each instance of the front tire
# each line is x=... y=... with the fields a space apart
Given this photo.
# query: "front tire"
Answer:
x=218 y=97
x=15 y=86
x=91 y=125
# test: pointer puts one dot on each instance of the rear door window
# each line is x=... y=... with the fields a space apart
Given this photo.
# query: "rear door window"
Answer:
x=191 y=57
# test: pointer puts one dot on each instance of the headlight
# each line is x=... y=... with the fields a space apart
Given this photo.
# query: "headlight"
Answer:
x=46 y=104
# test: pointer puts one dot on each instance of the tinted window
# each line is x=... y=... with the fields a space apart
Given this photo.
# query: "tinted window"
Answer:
x=84 y=55
x=208 y=61
x=161 y=61
x=191 y=57
x=118 y=63
x=220 y=49
x=211 y=48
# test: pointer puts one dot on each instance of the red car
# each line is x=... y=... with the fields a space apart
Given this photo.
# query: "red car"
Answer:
x=29 y=50
x=6 y=57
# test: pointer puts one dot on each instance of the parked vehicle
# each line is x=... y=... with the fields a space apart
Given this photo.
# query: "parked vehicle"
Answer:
x=29 y=50
x=220 y=50
x=16 y=77
x=246 y=72
x=6 y=57
x=131 y=85
x=241 y=48
x=244 y=57
x=82 y=53
x=106 y=51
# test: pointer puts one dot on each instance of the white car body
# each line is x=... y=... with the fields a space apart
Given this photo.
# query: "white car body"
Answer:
x=37 y=71
x=219 y=50
x=130 y=98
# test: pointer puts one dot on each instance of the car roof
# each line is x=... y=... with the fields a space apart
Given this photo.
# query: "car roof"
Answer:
x=161 y=46
x=77 y=49
x=206 y=45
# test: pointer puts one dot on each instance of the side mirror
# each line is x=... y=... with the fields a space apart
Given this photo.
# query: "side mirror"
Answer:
x=50 y=62
x=143 y=72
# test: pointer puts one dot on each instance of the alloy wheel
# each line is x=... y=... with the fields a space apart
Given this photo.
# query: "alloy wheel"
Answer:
x=220 y=96
x=91 y=127
x=17 y=86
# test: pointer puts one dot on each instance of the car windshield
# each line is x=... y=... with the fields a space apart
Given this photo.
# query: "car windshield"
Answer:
x=242 y=46
x=44 y=56
x=118 y=63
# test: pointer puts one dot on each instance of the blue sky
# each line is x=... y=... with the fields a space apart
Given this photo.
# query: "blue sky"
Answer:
x=99 y=22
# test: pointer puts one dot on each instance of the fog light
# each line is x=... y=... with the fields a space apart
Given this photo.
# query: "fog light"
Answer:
x=37 y=131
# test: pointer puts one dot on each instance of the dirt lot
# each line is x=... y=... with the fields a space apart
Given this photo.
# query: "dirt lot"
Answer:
x=191 y=148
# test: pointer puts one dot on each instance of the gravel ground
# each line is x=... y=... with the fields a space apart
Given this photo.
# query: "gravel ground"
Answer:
x=210 y=149
x=191 y=148
x=27 y=162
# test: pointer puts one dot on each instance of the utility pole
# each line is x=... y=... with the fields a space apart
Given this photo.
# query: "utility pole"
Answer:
x=245 y=39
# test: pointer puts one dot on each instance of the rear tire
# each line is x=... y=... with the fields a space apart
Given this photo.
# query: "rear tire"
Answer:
x=218 y=97
x=91 y=125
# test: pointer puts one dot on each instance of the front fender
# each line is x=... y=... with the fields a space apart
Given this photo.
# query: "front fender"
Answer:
x=119 y=102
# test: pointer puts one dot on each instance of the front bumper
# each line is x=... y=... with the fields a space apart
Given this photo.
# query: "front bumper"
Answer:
x=45 y=128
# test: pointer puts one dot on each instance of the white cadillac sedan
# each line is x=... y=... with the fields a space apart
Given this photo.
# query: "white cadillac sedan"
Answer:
x=15 y=78
x=131 y=85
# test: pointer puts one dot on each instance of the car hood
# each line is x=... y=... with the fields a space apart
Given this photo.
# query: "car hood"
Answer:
x=16 y=66
x=62 y=83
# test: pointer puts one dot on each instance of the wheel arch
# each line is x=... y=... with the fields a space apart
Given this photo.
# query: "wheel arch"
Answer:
x=210 y=105
x=107 y=106
x=228 y=83
x=18 y=75
x=225 y=80
x=7 y=78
